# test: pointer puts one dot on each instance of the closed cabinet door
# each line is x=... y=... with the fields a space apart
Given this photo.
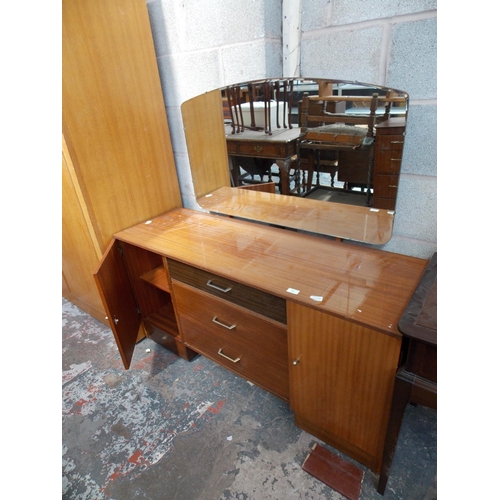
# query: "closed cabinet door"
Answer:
x=341 y=381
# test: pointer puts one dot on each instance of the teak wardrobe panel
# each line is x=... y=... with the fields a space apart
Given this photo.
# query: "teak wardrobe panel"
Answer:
x=79 y=249
x=114 y=125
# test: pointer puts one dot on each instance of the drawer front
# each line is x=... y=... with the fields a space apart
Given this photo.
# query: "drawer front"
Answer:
x=388 y=154
x=264 y=149
x=247 y=344
x=219 y=348
x=261 y=302
x=393 y=143
x=384 y=203
x=219 y=317
x=385 y=186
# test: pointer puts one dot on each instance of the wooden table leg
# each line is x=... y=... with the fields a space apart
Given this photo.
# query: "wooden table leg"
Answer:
x=284 y=170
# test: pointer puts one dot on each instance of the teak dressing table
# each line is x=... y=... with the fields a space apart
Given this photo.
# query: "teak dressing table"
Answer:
x=312 y=320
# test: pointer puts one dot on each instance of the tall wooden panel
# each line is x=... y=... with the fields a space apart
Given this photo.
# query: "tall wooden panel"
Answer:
x=115 y=128
x=80 y=251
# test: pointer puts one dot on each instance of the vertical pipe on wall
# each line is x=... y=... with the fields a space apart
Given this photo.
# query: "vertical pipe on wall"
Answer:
x=292 y=14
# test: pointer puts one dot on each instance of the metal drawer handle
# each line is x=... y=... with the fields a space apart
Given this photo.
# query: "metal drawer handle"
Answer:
x=220 y=353
x=215 y=320
x=391 y=186
x=225 y=290
x=397 y=142
x=395 y=159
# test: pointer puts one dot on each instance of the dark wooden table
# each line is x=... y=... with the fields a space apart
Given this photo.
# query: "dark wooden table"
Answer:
x=416 y=379
x=281 y=146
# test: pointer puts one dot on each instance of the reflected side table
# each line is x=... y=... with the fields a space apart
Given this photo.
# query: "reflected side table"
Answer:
x=416 y=379
x=281 y=146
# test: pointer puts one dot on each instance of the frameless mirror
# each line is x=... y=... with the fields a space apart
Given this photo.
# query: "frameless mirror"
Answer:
x=309 y=154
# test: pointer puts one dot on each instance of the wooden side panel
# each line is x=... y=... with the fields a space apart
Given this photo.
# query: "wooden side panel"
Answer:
x=206 y=142
x=114 y=118
x=79 y=254
x=342 y=382
x=118 y=298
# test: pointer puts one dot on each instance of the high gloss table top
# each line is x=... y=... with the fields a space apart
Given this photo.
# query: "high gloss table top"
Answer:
x=367 y=286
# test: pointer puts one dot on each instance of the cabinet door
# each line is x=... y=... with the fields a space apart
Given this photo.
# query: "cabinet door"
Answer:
x=118 y=299
x=341 y=381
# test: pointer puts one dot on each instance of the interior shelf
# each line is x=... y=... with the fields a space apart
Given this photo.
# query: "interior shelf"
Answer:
x=165 y=320
x=158 y=278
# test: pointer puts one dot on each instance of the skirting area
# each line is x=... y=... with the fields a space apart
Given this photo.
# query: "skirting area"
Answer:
x=168 y=429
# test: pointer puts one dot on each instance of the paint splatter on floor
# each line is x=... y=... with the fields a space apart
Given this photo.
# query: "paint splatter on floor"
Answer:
x=168 y=429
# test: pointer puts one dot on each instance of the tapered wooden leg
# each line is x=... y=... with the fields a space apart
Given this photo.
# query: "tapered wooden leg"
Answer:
x=284 y=170
x=400 y=398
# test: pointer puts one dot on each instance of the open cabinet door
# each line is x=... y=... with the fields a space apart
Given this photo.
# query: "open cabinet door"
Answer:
x=118 y=299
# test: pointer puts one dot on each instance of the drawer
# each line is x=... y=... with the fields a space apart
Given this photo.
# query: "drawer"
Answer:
x=385 y=186
x=248 y=364
x=390 y=142
x=388 y=154
x=266 y=149
x=384 y=203
x=261 y=302
x=218 y=317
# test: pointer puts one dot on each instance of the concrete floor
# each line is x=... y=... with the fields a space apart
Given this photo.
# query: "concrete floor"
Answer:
x=168 y=429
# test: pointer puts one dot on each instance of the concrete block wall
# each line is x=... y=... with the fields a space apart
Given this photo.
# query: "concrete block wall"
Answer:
x=202 y=45
x=206 y=44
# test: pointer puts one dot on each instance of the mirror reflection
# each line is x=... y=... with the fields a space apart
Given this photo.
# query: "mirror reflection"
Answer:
x=315 y=139
x=309 y=154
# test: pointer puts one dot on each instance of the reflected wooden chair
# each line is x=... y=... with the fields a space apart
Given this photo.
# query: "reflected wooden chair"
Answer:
x=331 y=130
x=262 y=107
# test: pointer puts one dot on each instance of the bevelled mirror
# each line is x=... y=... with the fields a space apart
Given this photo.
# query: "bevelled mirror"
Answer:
x=316 y=155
